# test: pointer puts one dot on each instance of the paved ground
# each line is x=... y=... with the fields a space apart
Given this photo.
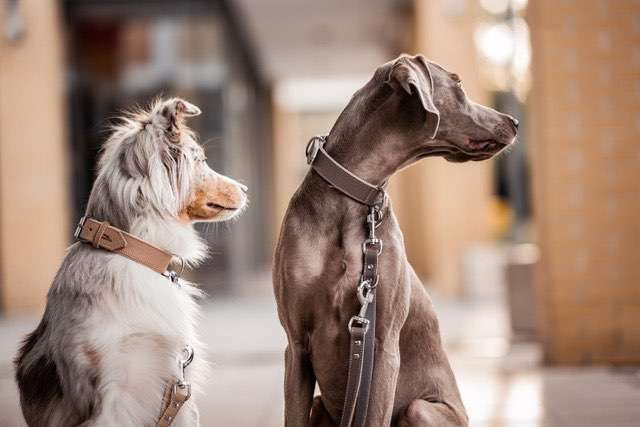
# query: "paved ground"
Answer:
x=501 y=384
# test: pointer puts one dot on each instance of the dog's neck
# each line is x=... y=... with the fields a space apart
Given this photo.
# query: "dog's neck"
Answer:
x=171 y=235
x=371 y=138
x=373 y=160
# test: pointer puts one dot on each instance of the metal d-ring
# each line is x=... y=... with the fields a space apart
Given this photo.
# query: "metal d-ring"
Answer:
x=182 y=265
x=313 y=146
x=175 y=275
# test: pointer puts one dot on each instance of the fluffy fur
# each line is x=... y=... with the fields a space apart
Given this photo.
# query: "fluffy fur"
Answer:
x=112 y=329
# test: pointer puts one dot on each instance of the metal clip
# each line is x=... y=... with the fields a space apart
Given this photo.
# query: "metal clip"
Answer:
x=375 y=216
x=188 y=353
x=365 y=296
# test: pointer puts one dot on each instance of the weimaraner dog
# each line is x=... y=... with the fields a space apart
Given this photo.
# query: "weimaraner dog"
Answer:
x=412 y=108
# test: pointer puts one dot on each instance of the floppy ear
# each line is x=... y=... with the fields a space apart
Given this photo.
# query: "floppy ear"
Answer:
x=413 y=77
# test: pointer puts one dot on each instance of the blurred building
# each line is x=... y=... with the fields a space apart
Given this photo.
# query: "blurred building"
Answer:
x=271 y=74
x=586 y=124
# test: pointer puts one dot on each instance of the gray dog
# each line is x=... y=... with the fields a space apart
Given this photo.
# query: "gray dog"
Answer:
x=411 y=108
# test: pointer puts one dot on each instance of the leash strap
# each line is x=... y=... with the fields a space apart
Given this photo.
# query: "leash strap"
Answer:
x=178 y=396
x=356 y=365
x=339 y=177
x=362 y=332
x=102 y=235
x=177 y=393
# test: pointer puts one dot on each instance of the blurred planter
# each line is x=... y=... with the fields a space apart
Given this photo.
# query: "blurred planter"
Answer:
x=520 y=292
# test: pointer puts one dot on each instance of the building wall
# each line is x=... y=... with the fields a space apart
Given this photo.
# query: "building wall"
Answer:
x=448 y=209
x=586 y=122
x=34 y=199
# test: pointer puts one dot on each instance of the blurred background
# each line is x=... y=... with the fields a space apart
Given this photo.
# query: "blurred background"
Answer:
x=530 y=258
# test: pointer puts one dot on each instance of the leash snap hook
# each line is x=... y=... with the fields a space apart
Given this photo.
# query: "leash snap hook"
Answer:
x=183 y=362
x=365 y=296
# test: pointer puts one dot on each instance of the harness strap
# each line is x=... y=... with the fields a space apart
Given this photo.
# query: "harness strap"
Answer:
x=178 y=394
x=102 y=235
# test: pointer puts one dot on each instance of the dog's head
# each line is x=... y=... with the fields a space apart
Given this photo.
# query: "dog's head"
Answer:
x=436 y=113
x=152 y=164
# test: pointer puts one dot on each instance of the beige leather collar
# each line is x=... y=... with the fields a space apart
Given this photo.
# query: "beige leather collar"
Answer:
x=102 y=235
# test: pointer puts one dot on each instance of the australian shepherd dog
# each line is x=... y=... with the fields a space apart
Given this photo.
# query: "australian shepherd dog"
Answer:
x=114 y=330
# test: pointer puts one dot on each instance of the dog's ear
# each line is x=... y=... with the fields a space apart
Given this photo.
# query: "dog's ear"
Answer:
x=177 y=107
x=411 y=76
x=170 y=114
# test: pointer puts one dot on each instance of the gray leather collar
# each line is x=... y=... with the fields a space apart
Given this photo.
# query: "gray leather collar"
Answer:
x=341 y=178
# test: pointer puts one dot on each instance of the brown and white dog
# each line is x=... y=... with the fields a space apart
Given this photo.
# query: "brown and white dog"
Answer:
x=113 y=328
x=411 y=108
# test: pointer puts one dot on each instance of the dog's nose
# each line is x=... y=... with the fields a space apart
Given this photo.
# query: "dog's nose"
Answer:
x=515 y=122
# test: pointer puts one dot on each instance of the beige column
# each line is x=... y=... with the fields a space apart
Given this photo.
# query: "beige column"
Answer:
x=444 y=207
x=586 y=156
x=34 y=185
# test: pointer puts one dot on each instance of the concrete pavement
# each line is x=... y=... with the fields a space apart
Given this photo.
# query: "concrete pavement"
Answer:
x=501 y=384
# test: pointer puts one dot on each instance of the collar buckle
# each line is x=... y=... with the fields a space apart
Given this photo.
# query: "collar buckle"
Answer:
x=76 y=234
x=313 y=146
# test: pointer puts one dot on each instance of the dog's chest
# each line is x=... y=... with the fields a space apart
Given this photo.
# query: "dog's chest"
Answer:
x=149 y=303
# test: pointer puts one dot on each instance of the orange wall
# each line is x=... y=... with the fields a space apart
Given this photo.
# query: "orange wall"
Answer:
x=586 y=156
x=34 y=197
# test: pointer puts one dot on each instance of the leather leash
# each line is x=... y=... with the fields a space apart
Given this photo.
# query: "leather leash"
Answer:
x=362 y=326
x=102 y=235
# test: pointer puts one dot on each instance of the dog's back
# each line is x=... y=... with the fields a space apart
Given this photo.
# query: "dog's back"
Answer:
x=39 y=383
x=51 y=350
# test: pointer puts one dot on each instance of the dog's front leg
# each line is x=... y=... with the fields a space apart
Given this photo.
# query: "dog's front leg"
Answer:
x=299 y=383
x=383 y=384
